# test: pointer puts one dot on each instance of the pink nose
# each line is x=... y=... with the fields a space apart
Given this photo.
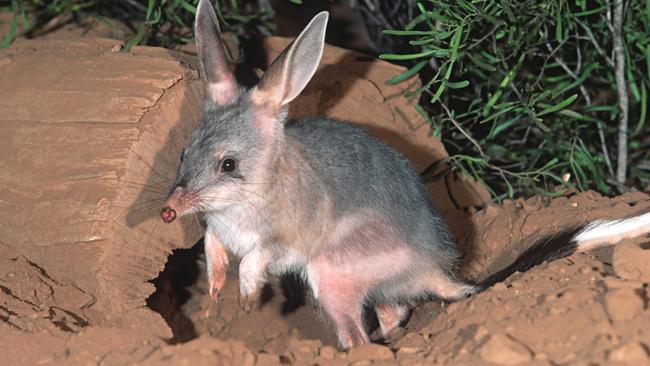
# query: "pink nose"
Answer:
x=168 y=214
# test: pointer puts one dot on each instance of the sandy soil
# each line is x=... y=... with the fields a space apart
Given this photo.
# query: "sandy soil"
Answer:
x=585 y=309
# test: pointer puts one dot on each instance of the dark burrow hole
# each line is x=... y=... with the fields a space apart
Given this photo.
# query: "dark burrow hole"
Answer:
x=172 y=291
x=181 y=293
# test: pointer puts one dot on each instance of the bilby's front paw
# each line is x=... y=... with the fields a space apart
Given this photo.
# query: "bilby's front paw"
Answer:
x=215 y=284
x=248 y=301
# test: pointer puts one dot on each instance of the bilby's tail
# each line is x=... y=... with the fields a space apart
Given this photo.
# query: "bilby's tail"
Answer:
x=578 y=239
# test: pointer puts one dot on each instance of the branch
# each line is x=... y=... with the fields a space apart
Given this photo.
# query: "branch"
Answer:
x=619 y=72
x=585 y=94
x=597 y=46
x=464 y=132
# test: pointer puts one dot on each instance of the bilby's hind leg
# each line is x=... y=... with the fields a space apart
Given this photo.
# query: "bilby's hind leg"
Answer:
x=341 y=296
x=390 y=317
x=365 y=252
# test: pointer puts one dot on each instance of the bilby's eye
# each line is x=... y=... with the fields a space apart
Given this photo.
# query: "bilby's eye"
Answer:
x=228 y=165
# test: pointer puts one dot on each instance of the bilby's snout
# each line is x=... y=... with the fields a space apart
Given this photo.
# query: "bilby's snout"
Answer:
x=173 y=206
x=168 y=214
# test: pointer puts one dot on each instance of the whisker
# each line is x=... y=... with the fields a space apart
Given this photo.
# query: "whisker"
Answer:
x=255 y=193
x=223 y=215
x=160 y=157
x=140 y=206
x=259 y=183
x=162 y=194
x=142 y=173
x=156 y=173
x=207 y=198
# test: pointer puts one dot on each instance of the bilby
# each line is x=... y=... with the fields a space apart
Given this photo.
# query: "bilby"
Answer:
x=324 y=199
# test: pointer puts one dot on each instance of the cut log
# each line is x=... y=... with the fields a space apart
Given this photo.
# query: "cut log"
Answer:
x=91 y=140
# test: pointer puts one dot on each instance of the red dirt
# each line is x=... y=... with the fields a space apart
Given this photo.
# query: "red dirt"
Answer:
x=585 y=309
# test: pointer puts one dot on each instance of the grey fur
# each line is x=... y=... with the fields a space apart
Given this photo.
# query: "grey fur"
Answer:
x=361 y=171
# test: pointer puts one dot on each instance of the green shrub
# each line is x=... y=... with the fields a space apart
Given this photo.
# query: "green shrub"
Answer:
x=524 y=92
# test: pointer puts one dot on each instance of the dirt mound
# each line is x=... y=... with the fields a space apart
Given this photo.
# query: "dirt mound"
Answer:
x=587 y=308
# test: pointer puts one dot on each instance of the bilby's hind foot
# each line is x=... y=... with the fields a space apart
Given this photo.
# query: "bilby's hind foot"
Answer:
x=390 y=317
x=448 y=289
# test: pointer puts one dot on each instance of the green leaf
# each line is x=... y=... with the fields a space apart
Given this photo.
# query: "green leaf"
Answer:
x=191 y=8
x=435 y=53
x=493 y=99
x=579 y=81
x=499 y=127
x=457 y=85
x=475 y=58
x=644 y=108
x=423 y=114
x=591 y=11
x=14 y=25
x=455 y=42
x=438 y=92
x=541 y=125
x=408 y=73
x=558 y=26
x=496 y=114
x=558 y=106
x=491 y=19
x=420 y=42
x=142 y=32
x=602 y=108
x=575 y=115
x=394 y=32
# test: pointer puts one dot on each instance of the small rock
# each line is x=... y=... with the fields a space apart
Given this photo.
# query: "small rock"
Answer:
x=302 y=351
x=632 y=353
x=623 y=304
x=407 y=351
x=500 y=286
x=412 y=340
x=328 y=352
x=361 y=363
x=503 y=350
x=264 y=359
x=616 y=283
x=397 y=333
x=630 y=261
x=410 y=359
x=370 y=352
x=585 y=270
x=480 y=332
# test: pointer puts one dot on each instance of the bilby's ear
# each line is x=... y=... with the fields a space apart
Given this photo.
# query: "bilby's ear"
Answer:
x=291 y=71
x=220 y=83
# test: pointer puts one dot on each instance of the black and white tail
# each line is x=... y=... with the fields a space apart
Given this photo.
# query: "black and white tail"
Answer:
x=582 y=238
